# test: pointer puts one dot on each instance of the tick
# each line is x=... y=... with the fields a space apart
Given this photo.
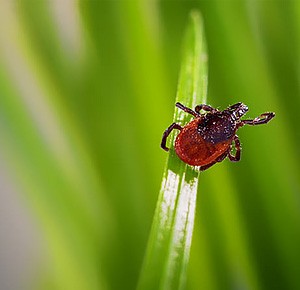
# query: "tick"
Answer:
x=209 y=138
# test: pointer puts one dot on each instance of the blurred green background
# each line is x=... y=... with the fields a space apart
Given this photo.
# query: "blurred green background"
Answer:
x=86 y=90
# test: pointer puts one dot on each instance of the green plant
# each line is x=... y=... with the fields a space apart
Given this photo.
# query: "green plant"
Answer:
x=167 y=257
x=86 y=90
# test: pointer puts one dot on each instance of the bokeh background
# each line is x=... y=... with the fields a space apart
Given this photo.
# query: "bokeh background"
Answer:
x=86 y=90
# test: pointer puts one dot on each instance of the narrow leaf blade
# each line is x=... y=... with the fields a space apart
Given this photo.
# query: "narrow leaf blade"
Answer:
x=169 y=244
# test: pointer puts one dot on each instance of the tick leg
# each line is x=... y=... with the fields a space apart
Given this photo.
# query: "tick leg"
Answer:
x=204 y=107
x=237 y=155
x=167 y=133
x=219 y=159
x=204 y=167
x=222 y=157
x=262 y=119
x=187 y=110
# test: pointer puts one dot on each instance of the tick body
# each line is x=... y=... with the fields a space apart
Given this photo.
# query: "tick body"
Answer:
x=210 y=137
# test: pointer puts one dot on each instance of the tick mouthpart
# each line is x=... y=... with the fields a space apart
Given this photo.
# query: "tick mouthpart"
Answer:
x=243 y=109
x=238 y=110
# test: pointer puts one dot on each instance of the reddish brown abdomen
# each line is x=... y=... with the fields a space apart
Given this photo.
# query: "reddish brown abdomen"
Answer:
x=194 y=150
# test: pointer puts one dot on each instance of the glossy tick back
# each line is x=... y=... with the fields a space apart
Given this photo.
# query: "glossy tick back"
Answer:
x=209 y=137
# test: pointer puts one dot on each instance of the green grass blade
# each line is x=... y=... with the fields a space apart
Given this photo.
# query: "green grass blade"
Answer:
x=170 y=239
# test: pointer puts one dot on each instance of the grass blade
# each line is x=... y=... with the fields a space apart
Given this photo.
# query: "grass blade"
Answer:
x=170 y=239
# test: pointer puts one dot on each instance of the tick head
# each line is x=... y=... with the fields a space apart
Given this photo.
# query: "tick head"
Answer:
x=237 y=111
